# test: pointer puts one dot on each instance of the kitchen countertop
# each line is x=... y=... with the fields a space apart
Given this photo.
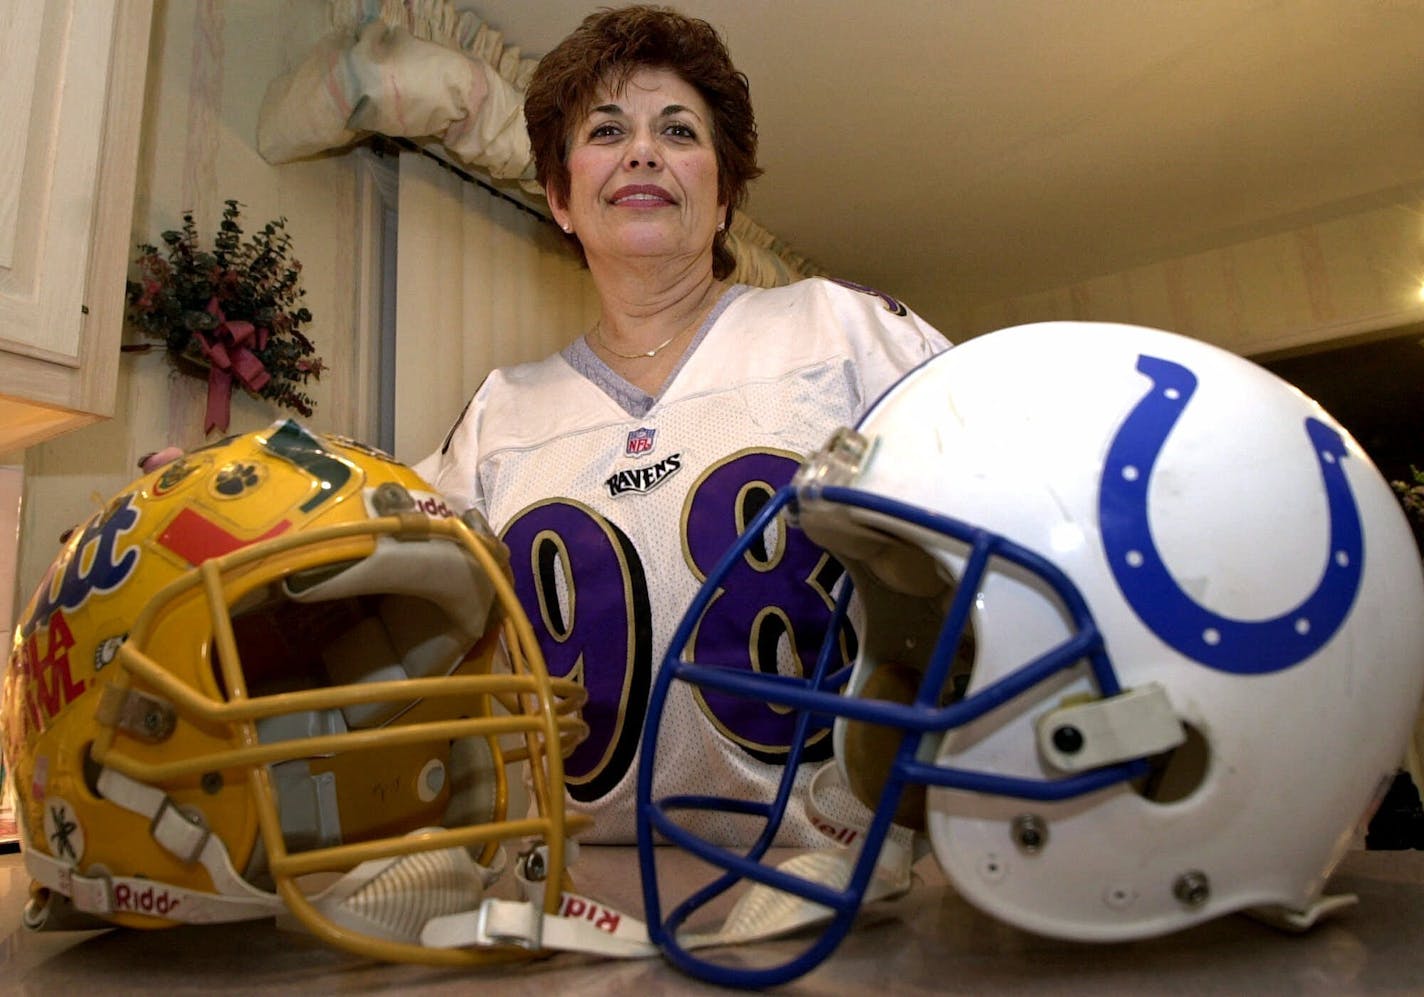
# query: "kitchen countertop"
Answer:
x=929 y=940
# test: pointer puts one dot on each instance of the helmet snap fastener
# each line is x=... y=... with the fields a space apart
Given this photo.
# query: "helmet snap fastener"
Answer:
x=1030 y=833
x=1192 y=888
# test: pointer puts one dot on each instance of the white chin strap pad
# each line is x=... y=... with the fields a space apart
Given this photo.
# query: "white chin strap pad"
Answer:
x=394 y=898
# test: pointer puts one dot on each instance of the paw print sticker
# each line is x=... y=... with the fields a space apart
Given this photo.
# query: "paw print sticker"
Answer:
x=237 y=478
x=107 y=651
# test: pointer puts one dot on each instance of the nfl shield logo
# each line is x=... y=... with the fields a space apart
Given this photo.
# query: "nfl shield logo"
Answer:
x=640 y=441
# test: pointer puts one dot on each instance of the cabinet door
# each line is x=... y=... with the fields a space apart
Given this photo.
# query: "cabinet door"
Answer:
x=72 y=79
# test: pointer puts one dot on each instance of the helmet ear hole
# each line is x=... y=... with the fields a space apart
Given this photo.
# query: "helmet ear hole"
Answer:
x=870 y=749
x=1177 y=774
x=92 y=770
x=904 y=624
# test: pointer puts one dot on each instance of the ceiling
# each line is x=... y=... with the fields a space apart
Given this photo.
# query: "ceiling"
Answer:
x=956 y=152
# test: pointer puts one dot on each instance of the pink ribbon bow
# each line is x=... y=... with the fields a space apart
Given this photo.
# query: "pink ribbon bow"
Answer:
x=229 y=351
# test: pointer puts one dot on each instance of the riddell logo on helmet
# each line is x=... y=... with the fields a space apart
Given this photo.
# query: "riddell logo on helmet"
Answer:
x=149 y=900
x=432 y=506
x=605 y=920
x=836 y=832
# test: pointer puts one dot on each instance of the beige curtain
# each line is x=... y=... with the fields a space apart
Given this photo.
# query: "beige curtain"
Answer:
x=480 y=283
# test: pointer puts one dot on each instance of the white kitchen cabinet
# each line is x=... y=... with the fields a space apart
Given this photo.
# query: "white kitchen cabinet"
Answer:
x=73 y=82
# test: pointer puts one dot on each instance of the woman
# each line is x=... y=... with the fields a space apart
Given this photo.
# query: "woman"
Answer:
x=619 y=469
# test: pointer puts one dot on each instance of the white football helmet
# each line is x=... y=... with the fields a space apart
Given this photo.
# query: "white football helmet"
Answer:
x=1143 y=636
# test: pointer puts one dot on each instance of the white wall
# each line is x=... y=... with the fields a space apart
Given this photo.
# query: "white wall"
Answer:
x=1348 y=276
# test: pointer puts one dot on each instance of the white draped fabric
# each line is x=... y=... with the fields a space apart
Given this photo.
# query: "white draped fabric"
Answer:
x=480 y=283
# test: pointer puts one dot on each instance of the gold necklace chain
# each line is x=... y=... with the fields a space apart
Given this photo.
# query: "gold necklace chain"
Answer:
x=598 y=335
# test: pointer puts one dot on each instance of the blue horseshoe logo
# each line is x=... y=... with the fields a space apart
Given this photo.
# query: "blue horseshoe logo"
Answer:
x=1251 y=647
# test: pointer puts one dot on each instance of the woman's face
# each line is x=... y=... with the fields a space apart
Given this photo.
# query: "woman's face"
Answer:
x=643 y=172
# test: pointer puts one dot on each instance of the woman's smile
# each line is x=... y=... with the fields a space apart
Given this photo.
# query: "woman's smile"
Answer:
x=642 y=196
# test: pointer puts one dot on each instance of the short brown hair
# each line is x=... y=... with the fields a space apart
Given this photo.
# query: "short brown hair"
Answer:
x=610 y=46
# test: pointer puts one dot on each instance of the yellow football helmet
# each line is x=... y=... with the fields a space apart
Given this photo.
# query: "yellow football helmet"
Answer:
x=278 y=675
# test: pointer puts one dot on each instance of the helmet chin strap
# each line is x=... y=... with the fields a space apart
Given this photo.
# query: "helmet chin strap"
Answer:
x=393 y=898
x=189 y=841
x=762 y=912
x=389 y=898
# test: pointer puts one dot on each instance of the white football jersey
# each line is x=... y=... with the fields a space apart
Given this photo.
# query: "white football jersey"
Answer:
x=616 y=505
